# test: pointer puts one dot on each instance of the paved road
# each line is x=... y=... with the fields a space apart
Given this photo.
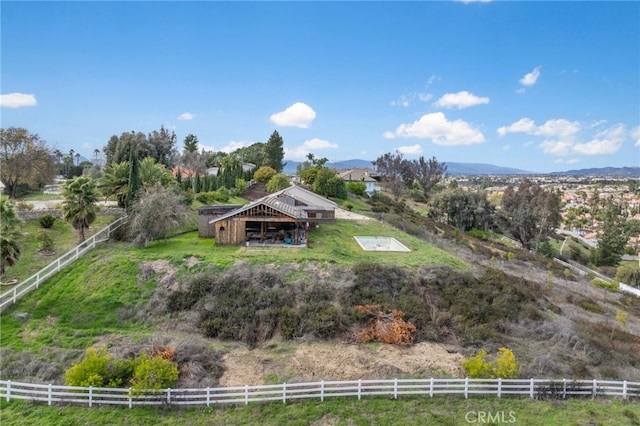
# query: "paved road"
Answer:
x=52 y=204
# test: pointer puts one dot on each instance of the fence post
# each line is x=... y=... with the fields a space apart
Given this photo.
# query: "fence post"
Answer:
x=499 y=387
x=359 y=389
x=14 y=294
x=624 y=390
x=90 y=396
x=208 y=396
x=37 y=280
x=466 y=387
x=284 y=393
x=130 y=402
x=246 y=394
x=595 y=387
x=9 y=390
x=49 y=394
x=168 y=395
x=322 y=391
x=431 y=388
x=531 y=388
x=395 y=388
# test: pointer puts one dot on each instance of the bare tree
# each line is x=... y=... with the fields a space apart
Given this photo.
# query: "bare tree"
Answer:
x=157 y=214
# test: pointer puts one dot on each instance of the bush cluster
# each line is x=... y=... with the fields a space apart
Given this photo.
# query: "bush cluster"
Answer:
x=99 y=369
x=252 y=305
x=505 y=366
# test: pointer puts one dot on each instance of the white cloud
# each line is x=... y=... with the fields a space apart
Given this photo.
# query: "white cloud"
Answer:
x=18 y=100
x=556 y=147
x=556 y=128
x=559 y=128
x=635 y=135
x=300 y=152
x=530 y=78
x=297 y=115
x=185 y=116
x=606 y=142
x=234 y=145
x=460 y=100
x=436 y=127
x=410 y=149
x=407 y=100
x=524 y=125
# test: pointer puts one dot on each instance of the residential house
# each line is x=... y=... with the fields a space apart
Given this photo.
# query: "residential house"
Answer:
x=282 y=218
x=361 y=175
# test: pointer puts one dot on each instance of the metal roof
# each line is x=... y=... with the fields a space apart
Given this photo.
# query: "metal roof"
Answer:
x=284 y=202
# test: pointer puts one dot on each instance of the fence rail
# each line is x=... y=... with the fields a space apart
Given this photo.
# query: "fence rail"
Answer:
x=10 y=297
x=530 y=388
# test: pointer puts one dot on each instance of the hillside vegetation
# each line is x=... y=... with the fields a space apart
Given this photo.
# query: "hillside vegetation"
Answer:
x=212 y=303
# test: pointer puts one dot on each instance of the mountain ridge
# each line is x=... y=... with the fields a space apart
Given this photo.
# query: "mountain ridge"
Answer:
x=457 y=168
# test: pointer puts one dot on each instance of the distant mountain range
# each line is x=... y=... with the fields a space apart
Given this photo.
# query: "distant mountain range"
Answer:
x=483 y=169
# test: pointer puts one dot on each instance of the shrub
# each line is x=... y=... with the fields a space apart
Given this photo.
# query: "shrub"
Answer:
x=206 y=197
x=98 y=368
x=358 y=188
x=264 y=174
x=591 y=306
x=385 y=326
x=47 y=221
x=45 y=240
x=91 y=371
x=505 y=366
x=154 y=373
x=604 y=284
x=222 y=195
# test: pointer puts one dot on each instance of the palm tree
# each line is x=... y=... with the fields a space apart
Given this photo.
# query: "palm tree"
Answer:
x=115 y=181
x=9 y=234
x=79 y=206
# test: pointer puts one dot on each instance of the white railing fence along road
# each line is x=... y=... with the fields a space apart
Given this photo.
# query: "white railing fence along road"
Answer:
x=530 y=388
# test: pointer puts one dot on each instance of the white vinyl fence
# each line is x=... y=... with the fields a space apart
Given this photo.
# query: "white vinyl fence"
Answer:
x=530 y=388
x=10 y=297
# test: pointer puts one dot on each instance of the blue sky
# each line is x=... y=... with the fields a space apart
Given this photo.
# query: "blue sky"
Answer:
x=539 y=86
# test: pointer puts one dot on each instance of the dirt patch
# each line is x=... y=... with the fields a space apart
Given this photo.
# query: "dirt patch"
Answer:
x=338 y=361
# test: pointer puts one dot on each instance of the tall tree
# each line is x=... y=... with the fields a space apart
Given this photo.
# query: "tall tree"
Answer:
x=612 y=238
x=134 y=183
x=79 y=206
x=428 y=173
x=530 y=213
x=191 y=143
x=462 y=209
x=274 y=152
x=161 y=146
x=396 y=173
x=25 y=160
x=158 y=213
x=9 y=235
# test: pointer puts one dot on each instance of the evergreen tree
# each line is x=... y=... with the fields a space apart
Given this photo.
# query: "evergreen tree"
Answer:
x=274 y=152
x=134 y=178
x=612 y=240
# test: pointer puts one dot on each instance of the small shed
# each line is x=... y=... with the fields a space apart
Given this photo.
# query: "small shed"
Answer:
x=207 y=213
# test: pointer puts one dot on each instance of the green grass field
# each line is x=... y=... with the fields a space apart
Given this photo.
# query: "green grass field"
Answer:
x=64 y=236
x=341 y=411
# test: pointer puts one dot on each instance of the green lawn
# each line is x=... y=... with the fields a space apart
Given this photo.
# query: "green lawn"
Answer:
x=341 y=411
x=65 y=238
